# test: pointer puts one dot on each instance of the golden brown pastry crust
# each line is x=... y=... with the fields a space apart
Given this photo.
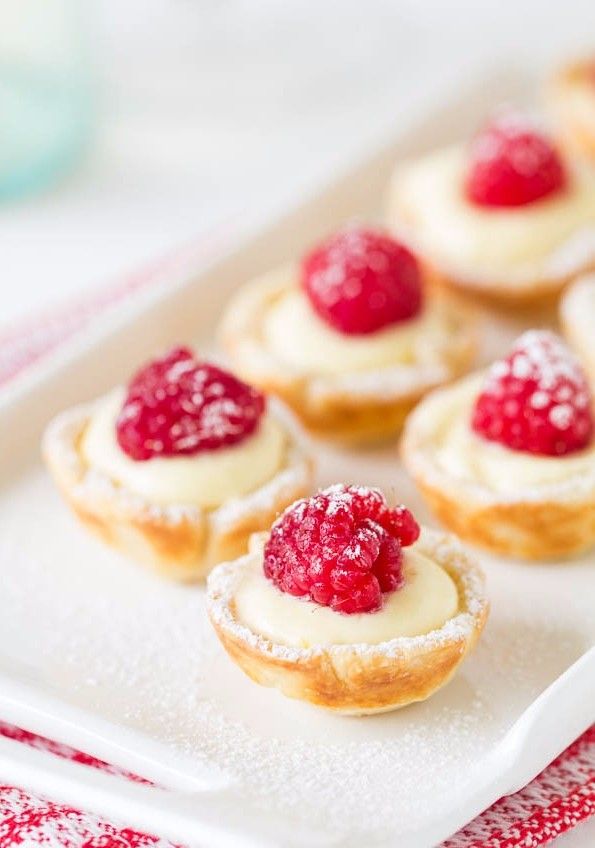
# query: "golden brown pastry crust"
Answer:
x=357 y=408
x=358 y=679
x=541 y=294
x=576 y=130
x=577 y=316
x=558 y=523
x=180 y=542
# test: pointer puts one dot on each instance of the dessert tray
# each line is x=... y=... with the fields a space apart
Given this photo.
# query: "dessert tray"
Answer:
x=101 y=655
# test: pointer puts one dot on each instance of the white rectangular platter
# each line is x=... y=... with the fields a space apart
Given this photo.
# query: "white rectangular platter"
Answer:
x=97 y=653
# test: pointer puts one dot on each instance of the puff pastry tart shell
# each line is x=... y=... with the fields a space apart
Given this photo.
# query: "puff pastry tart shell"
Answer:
x=571 y=98
x=182 y=542
x=356 y=406
x=513 y=259
x=577 y=315
x=533 y=521
x=356 y=679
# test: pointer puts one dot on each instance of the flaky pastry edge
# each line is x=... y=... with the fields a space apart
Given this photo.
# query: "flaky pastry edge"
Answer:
x=181 y=542
x=357 y=679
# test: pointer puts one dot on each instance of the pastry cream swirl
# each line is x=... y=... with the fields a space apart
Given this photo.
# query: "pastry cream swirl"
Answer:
x=298 y=337
x=428 y=598
x=206 y=479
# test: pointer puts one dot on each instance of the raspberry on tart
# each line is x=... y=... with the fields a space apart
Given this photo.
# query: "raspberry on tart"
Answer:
x=347 y=605
x=512 y=164
x=341 y=548
x=361 y=280
x=350 y=337
x=507 y=459
x=178 y=468
x=537 y=399
x=179 y=406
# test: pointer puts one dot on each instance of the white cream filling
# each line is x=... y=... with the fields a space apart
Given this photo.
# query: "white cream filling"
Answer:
x=428 y=199
x=205 y=480
x=300 y=338
x=428 y=598
x=465 y=455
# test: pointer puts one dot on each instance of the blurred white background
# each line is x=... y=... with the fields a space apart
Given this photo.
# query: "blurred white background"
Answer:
x=207 y=107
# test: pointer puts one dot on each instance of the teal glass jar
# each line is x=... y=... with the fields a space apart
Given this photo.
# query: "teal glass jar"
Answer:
x=45 y=92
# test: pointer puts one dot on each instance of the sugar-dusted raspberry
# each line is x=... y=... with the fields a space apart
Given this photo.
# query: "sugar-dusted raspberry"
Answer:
x=537 y=399
x=177 y=405
x=512 y=164
x=360 y=281
x=341 y=548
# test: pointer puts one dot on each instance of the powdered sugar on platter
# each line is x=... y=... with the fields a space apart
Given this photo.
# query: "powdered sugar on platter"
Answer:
x=124 y=644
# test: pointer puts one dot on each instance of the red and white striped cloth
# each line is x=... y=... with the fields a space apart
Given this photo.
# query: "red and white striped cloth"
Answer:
x=558 y=799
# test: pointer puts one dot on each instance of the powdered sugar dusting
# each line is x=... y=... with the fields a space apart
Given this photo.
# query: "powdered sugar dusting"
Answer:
x=140 y=652
x=177 y=405
x=543 y=357
x=536 y=400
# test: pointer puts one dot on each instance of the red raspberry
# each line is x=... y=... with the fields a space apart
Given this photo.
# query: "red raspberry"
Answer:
x=537 y=399
x=510 y=164
x=177 y=406
x=340 y=548
x=359 y=281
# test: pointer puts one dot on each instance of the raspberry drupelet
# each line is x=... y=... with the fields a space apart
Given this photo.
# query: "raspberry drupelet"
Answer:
x=512 y=164
x=537 y=399
x=178 y=406
x=360 y=281
x=341 y=548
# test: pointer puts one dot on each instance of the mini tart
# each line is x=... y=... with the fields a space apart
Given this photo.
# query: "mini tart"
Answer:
x=571 y=98
x=181 y=541
x=358 y=404
x=507 y=501
x=358 y=678
x=577 y=315
x=514 y=258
